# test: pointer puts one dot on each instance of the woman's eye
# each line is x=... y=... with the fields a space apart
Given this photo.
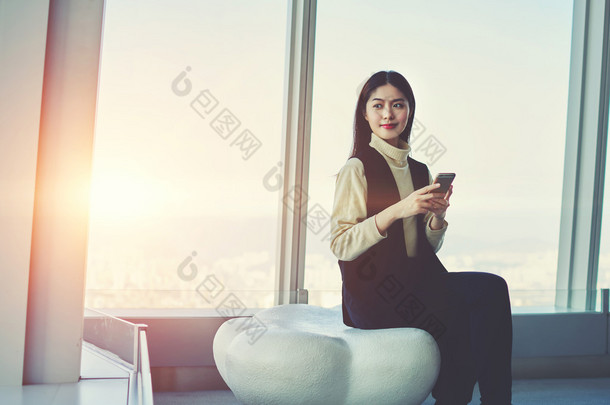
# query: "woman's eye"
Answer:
x=399 y=105
x=376 y=105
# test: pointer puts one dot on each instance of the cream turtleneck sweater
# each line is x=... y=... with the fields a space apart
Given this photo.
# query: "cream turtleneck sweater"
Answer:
x=352 y=233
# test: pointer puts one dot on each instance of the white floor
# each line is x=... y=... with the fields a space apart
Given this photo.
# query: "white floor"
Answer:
x=590 y=391
x=85 y=392
x=102 y=383
x=113 y=391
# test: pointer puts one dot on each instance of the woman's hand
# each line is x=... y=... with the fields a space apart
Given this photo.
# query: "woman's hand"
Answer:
x=440 y=205
x=418 y=202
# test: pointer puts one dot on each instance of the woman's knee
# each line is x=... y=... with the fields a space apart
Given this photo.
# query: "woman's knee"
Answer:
x=488 y=284
x=495 y=282
x=483 y=279
x=497 y=291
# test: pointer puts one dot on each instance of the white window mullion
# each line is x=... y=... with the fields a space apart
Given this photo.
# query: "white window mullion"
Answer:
x=295 y=147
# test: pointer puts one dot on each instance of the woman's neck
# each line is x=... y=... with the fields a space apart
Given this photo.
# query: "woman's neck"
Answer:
x=393 y=142
x=398 y=153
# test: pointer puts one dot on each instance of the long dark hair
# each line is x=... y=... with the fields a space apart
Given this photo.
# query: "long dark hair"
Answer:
x=362 y=129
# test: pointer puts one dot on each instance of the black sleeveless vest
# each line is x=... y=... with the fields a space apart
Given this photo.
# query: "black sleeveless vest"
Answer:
x=373 y=279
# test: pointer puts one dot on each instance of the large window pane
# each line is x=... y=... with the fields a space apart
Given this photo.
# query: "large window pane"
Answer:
x=189 y=122
x=490 y=80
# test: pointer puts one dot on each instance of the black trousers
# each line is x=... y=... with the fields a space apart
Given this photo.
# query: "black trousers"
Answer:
x=469 y=315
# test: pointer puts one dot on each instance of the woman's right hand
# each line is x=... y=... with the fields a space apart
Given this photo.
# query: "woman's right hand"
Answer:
x=418 y=202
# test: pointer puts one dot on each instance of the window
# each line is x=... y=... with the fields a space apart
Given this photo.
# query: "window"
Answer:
x=188 y=124
x=491 y=85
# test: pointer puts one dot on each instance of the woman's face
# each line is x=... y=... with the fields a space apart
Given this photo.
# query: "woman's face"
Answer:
x=387 y=113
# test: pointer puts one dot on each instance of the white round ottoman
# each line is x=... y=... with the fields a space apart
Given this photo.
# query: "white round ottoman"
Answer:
x=303 y=354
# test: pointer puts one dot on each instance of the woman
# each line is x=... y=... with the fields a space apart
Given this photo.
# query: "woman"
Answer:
x=387 y=225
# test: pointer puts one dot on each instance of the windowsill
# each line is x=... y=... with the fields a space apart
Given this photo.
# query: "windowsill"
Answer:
x=548 y=310
x=171 y=312
x=213 y=313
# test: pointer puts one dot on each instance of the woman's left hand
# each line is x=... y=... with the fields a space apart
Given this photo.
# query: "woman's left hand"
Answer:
x=440 y=205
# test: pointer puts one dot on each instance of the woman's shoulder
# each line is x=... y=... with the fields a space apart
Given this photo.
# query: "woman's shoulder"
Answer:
x=353 y=165
x=352 y=169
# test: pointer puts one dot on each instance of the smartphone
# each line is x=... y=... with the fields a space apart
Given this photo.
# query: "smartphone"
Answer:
x=445 y=180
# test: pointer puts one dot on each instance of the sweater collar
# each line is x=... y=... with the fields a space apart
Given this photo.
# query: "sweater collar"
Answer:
x=398 y=155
